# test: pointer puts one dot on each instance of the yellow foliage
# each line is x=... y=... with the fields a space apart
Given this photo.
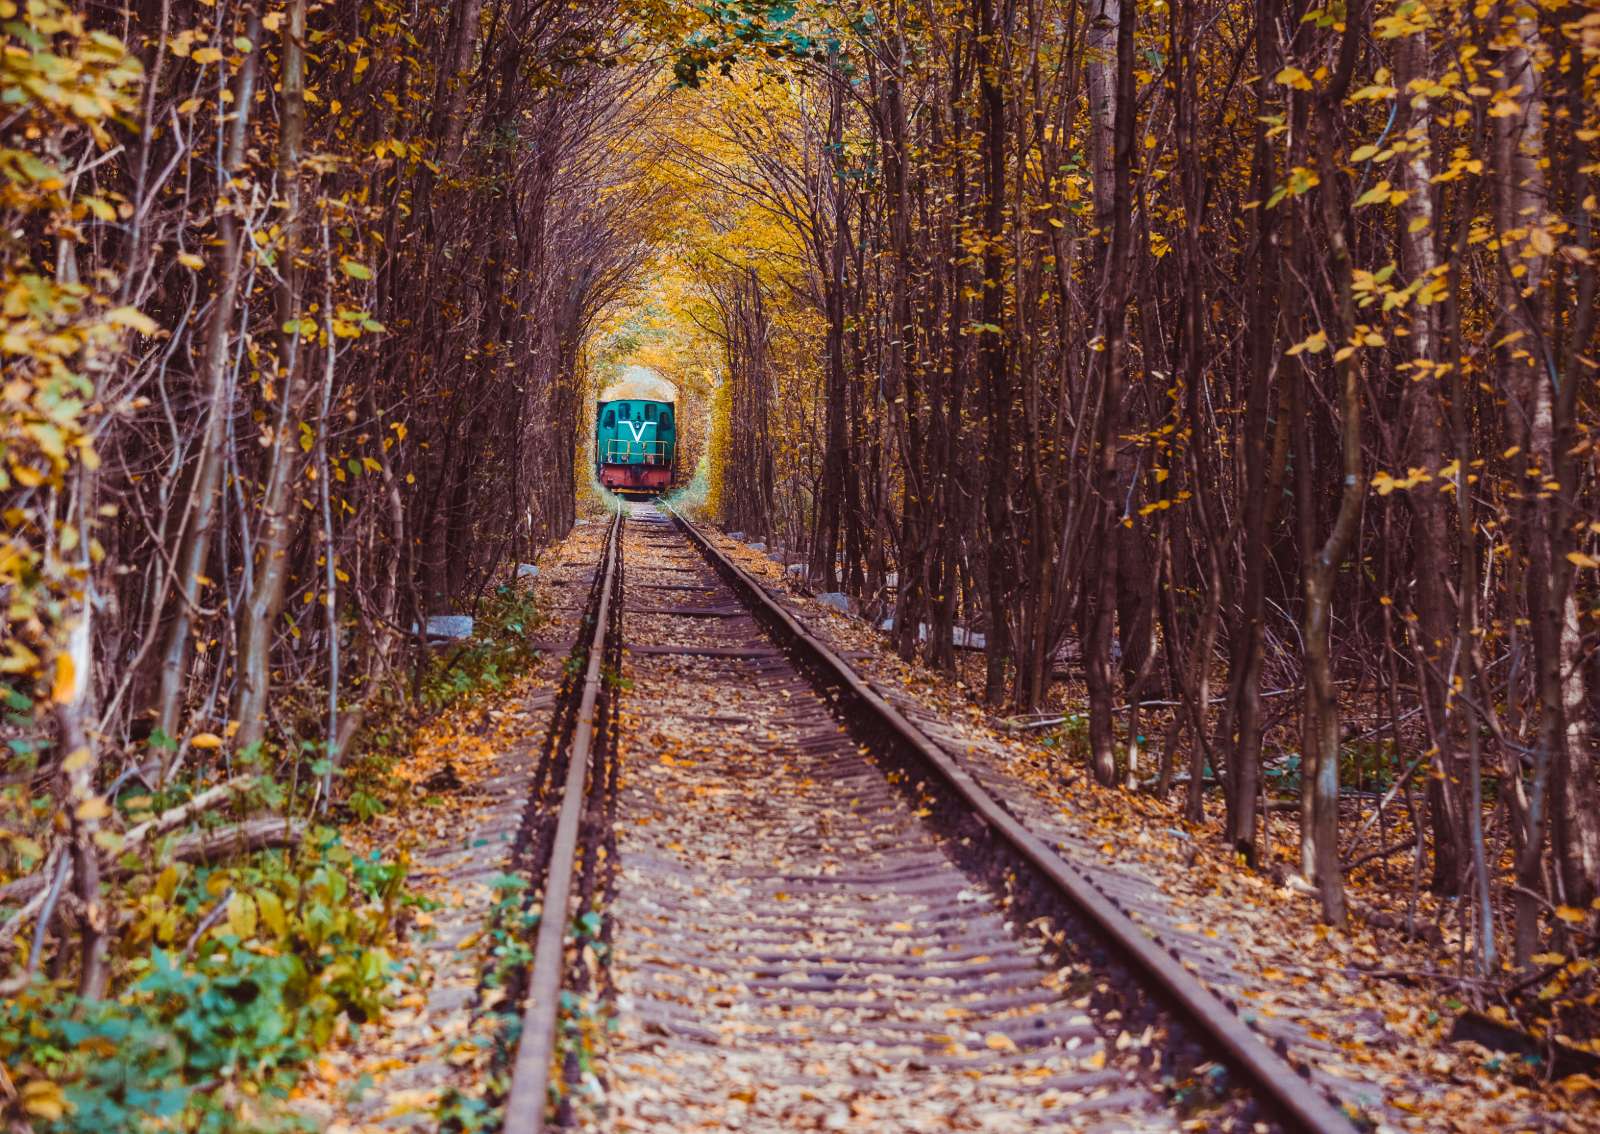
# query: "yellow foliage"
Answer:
x=63 y=85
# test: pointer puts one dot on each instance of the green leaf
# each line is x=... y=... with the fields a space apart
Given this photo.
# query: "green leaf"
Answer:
x=355 y=270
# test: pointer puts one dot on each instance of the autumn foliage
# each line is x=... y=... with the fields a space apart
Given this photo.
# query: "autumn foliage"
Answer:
x=1234 y=359
x=288 y=291
x=1229 y=363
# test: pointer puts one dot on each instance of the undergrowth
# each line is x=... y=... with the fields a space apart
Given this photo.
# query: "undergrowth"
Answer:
x=498 y=650
x=452 y=677
x=230 y=977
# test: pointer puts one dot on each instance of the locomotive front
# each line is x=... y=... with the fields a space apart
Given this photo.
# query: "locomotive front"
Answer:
x=635 y=446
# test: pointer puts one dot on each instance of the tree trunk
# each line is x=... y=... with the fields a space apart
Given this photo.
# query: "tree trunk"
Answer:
x=830 y=502
x=1436 y=621
x=1102 y=66
x=1520 y=190
x=73 y=696
x=189 y=565
x=1261 y=490
x=1575 y=834
x=1116 y=279
x=1321 y=743
x=992 y=352
x=258 y=624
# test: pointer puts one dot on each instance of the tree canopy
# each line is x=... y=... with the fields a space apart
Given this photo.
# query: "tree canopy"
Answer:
x=1229 y=366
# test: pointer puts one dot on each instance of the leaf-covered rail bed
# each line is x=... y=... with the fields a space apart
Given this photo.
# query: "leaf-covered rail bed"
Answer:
x=799 y=920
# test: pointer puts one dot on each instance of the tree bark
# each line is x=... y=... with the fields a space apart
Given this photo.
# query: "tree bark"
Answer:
x=992 y=336
x=1436 y=621
x=1520 y=189
x=1261 y=490
x=1116 y=277
x=1321 y=743
x=258 y=625
x=189 y=564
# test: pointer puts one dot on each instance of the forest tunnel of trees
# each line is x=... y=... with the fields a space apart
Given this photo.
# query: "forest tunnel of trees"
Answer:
x=1230 y=364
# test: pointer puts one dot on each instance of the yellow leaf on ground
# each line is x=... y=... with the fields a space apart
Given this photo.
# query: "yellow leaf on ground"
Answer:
x=43 y=1099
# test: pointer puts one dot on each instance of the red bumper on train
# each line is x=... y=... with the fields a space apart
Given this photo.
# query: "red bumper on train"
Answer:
x=636 y=478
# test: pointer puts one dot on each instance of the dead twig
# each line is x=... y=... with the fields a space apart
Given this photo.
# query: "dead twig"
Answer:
x=1381 y=852
x=34 y=898
x=25 y=889
x=214 y=915
x=52 y=896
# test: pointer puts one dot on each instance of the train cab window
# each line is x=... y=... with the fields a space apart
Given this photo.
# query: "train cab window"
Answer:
x=610 y=418
x=649 y=413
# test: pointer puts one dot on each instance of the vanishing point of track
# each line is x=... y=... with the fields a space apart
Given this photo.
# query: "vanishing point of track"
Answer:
x=815 y=918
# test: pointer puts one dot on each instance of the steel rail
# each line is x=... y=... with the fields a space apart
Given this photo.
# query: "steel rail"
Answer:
x=1295 y=1099
x=530 y=1073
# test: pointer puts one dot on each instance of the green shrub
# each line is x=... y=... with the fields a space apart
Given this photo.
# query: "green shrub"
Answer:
x=497 y=651
x=207 y=1040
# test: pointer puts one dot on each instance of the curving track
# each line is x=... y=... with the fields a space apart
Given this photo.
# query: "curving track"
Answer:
x=799 y=936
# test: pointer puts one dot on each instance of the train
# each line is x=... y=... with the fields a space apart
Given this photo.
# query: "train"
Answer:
x=635 y=445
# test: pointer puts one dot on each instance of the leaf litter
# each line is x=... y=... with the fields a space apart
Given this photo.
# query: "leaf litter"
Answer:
x=1357 y=1008
x=793 y=949
x=466 y=786
x=711 y=1043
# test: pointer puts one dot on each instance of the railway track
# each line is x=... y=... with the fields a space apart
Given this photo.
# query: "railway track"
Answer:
x=815 y=919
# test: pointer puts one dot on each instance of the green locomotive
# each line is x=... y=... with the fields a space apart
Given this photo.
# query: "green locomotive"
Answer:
x=635 y=446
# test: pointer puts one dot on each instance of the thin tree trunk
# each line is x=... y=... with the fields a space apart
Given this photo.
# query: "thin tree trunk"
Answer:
x=992 y=351
x=1114 y=302
x=1436 y=622
x=73 y=696
x=1248 y=635
x=1321 y=743
x=257 y=627
x=190 y=562
x=1520 y=185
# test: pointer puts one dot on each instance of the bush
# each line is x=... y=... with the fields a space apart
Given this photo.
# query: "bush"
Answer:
x=207 y=1039
x=499 y=649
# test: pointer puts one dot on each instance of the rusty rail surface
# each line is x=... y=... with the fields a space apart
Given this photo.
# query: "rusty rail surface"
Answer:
x=1279 y=1084
x=527 y=1099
